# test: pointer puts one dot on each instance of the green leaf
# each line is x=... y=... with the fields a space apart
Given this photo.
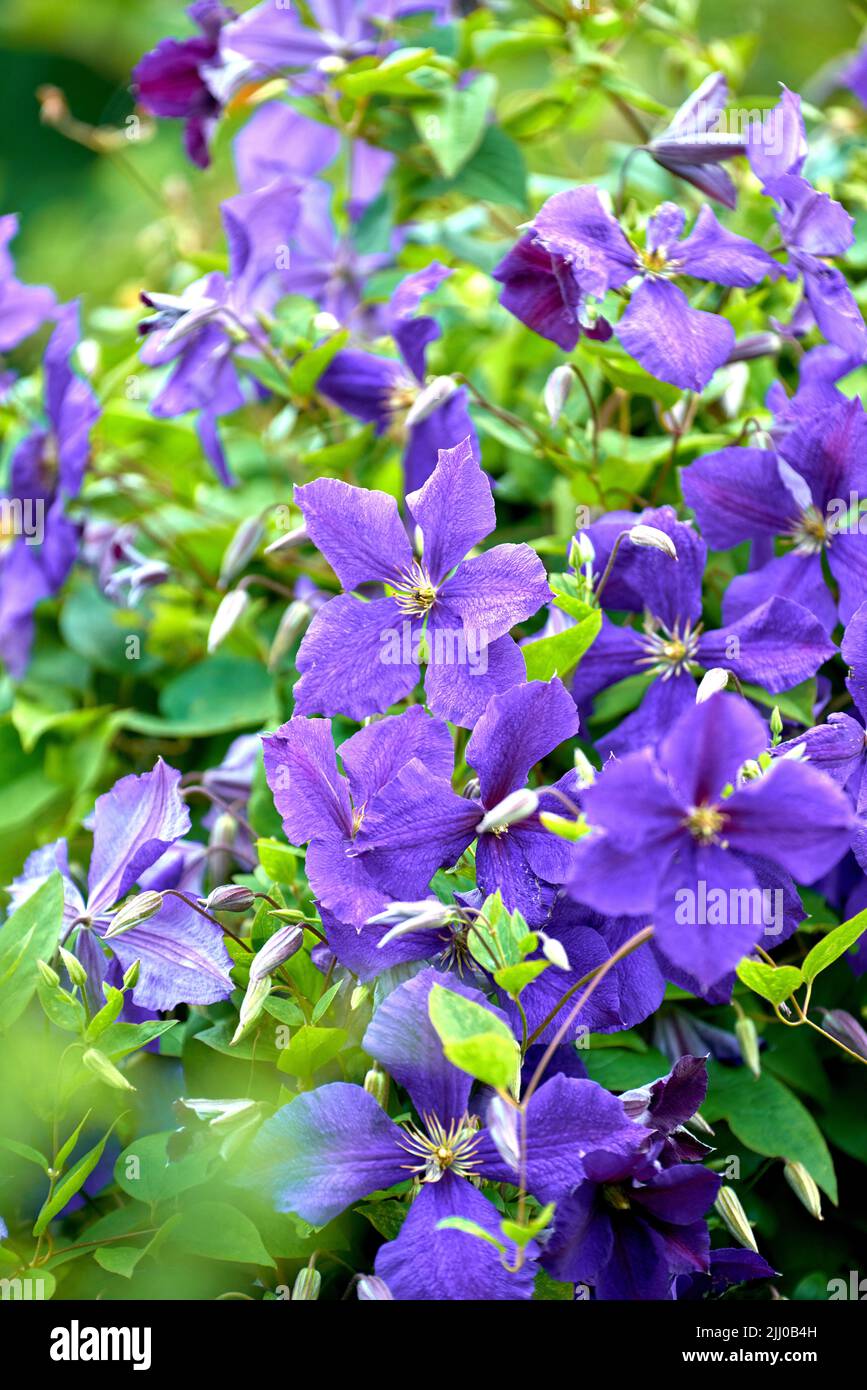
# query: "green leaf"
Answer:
x=74 y=1180
x=497 y=935
x=515 y=978
x=453 y=125
x=522 y=1235
x=560 y=655
x=308 y=368
x=218 y=1231
x=834 y=945
x=475 y=1039
x=310 y=1049
x=774 y=983
x=279 y=861
x=29 y=935
x=119 y=1259
x=121 y=1039
x=143 y=1169
x=496 y=173
x=765 y=1116
x=14 y=1146
x=393 y=76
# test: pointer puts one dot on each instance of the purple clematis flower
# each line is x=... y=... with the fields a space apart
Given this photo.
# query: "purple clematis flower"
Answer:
x=808 y=491
x=358 y=658
x=382 y=391
x=589 y=255
x=636 y=1223
x=812 y=225
x=280 y=143
x=776 y=645
x=46 y=470
x=178 y=79
x=326 y=810
x=696 y=141
x=419 y=823
x=330 y=1147
x=728 y=1266
x=674 y=846
x=183 y=959
x=201 y=331
x=839 y=747
x=23 y=308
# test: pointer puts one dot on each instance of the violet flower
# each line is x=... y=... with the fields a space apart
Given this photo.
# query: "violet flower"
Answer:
x=182 y=956
x=839 y=746
x=23 y=308
x=357 y=657
x=776 y=645
x=178 y=79
x=419 y=823
x=326 y=810
x=46 y=470
x=330 y=1147
x=803 y=492
x=382 y=391
x=673 y=845
x=696 y=141
x=575 y=252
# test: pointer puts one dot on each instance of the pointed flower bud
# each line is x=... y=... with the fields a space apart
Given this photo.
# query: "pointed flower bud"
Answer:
x=404 y=918
x=557 y=391
x=74 y=968
x=652 y=538
x=252 y=1007
x=286 y=542
x=711 y=683
x=502 y=1121
x=307 y=1284
x=585 y=769
x=230 y=897
x=277 y=949
x=372 y=1289
x=429 y=399
x=515 y=807
x=776 y=722
x=291 y=626
x=554 y=951
x=229 y=612
x=804 y=1187
x=241 y=549
x=99 y=1064
x=134 y=911
x=748 y=1042
x=728 y=1204
x=376 y=1085
x=845 y=1029
x=130 y=979
x=51 y=977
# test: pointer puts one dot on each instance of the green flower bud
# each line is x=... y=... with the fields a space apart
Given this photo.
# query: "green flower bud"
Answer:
x=748 y=1042
x=241 y=548
x=376 y=1085
x=230 y=897
x=804 y=1187
x=728 y=1204
x=74 y=968
x=51 y=977
x=130 y=979
x=252 y=1007
x=98 y=1063
x=134 y=911
x=307 y=1284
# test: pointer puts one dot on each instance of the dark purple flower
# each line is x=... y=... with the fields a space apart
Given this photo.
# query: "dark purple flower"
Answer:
x=45 y=471
x=383 y=391
x=807 y=491
x=588 y=255
x=696 y=141
x=179 y=79
x=727 y=1267
x=23 y=308
x=358 y=657
x=330 y=1147
x=673 y=845
x=776 y=645
x=182 y=955
x=665 y=1106
x=419 y=823
x=839 y=746
x=327 y=811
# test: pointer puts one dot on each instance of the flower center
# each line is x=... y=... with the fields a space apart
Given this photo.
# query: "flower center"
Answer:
x=669 y=653
x=440 y=1149
x=704 y=823
x=654 y=261
x=414 y=590
x=615 y=1196
x=810 y=532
